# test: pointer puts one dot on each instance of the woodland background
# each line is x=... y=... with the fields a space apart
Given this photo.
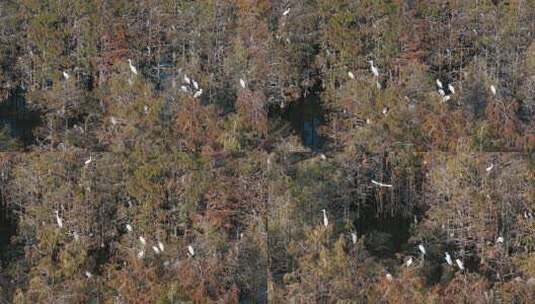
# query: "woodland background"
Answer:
x=242 y=174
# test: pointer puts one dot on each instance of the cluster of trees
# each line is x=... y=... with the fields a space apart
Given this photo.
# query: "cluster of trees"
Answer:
x=133 y=189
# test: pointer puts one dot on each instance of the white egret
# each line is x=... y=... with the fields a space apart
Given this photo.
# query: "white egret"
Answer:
x=441 y=92
x=142 y=240
x=459 y=264
x=422 y=249
x=374 y=69
x=323 y=157
x=389 y=276
x=129 y=227
x=184 y=89
x=156 y=250
x=489 y=168
x=88 y=274
x=76 y=236
x=500 y=239
x=446 y=98
x=286 y=12
x=325 y=219
x=242 y=83
x=186 y=79
x=58 y=219
x=381 y=184
x=197 y=94
x=409 y=262
x=448 y=259
x=350 y=74
x=493 y=90
x=87 y=162
x=354 y=237
x=146 y=109
x=113 y=120
x=439 y=83
x=140 y=254
x=385 y=111
x=378 y=85
x=191 y=250
x=66 y=75
x=195 y=84
x=368 y=121
x=160 y=245
x=451 y=88
x=132 y=67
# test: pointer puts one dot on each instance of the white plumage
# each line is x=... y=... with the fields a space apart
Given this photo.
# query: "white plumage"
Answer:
x=186 y=79
x=132 y=67
x=451 y=88
x=446 y=98
x=242 y=83
x=286 y=12
x=493 y=90
x=375 y=70
x=141 y=254
x=409 y=262
x=459 y=264
x=184 y=89
x=354 y=237
x=439 y=83
x=191 y=250
x=489 y=168
x=156 y=250
x=195 y=84
x=160 y=245
x=197 y=94
x=129 y=227
x=325 y=219
x=448 y=259
x=87 y=162
x=381 y=184
x=88 y=274
x=441 y=92
x=58 y=219
x=350 y=74
x=142 y=240
x=500 y=239
x=422 y=249
x=389 y=276
x=66 y=75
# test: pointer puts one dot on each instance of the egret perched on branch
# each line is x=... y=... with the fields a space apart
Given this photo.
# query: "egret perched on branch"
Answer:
x=156 y=250
x=88 y=274
x=422 y=249
x=441 y=92
x=87 y=162
x=448 y=259
x=381 y=184
x=350 y=74
x=191 y=250
x=446 y=98
x=323 y=157
x=132 y=67
x=439 y=83
x=160 y=245
x=197 y=94
x=186 y=79
x=129 y=227
x=500 y=239
x=489 y=168
x=325 y=220
x=184 y=89
x=140 y=254
x=286 y=12
x=242 y=83
x=389 y=276
x=493 y=90
x=459 y=264
x=66 y=75
x=374 y=69
x=409 y=262
x=354 y=237
x=142 y=240
x=195 y=84
x=58 y=219
x=451 y=88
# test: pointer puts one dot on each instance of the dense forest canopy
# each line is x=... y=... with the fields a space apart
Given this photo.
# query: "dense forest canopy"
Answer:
x=267 y=151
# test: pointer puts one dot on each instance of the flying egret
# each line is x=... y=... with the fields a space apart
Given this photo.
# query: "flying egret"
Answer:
x=489 y=168
x=439 y=83
x=409 y=262
x=381 y=184
x=88 y=274
x=66 y=75
x=195 y=84
x=242 y=83
x=448 y=259
x=500 y=239
x=191 y=250
x=142 y=240
x=493 y=90
x=325 y=220
x=459 y=264
x=58 y=219
x=374 y=69
x=286 y=12
x=132 y=67
x=156 y=250
x=186 y=79
x=129 y=227
x=141 y=254
x=87 y=162
x=160 y=245
x=350 y=74
x=422 y=249
x=451 y=88
x=197 y=94
x=354 y=237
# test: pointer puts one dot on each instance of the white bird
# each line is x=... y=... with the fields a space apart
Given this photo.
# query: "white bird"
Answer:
x=441 y=92
x=422 y=249
x=142 y=240
x=242 y=83
x=191 y=250
x=374 y=69
x=195 y=84
x=286 y=12
x=58 y=219
x=186 y=79
x=160 y=245
x=409 y=262
x=113 y=120
x=184 y=89
x=459 y=264
x=489 y=168
x=493 y=90
x=381 y=184
x=146 y=109
x=129 y=227
x=87 y=162
x=439 y=83
x=156 y=250
x=385 y=110
x=500 y=239
x=66 y=75
x=76 y=236
x=141 y=254
x=448 y=259
x=354 y=237
x=378 y=85
x=88 y=274
x=446 y=98
x=132 y=67
x=323 y=157
x=368 y=121
x=197 y=94
x=350 y=74
x=451 y=88
x=389 y=276
x=325 y=220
